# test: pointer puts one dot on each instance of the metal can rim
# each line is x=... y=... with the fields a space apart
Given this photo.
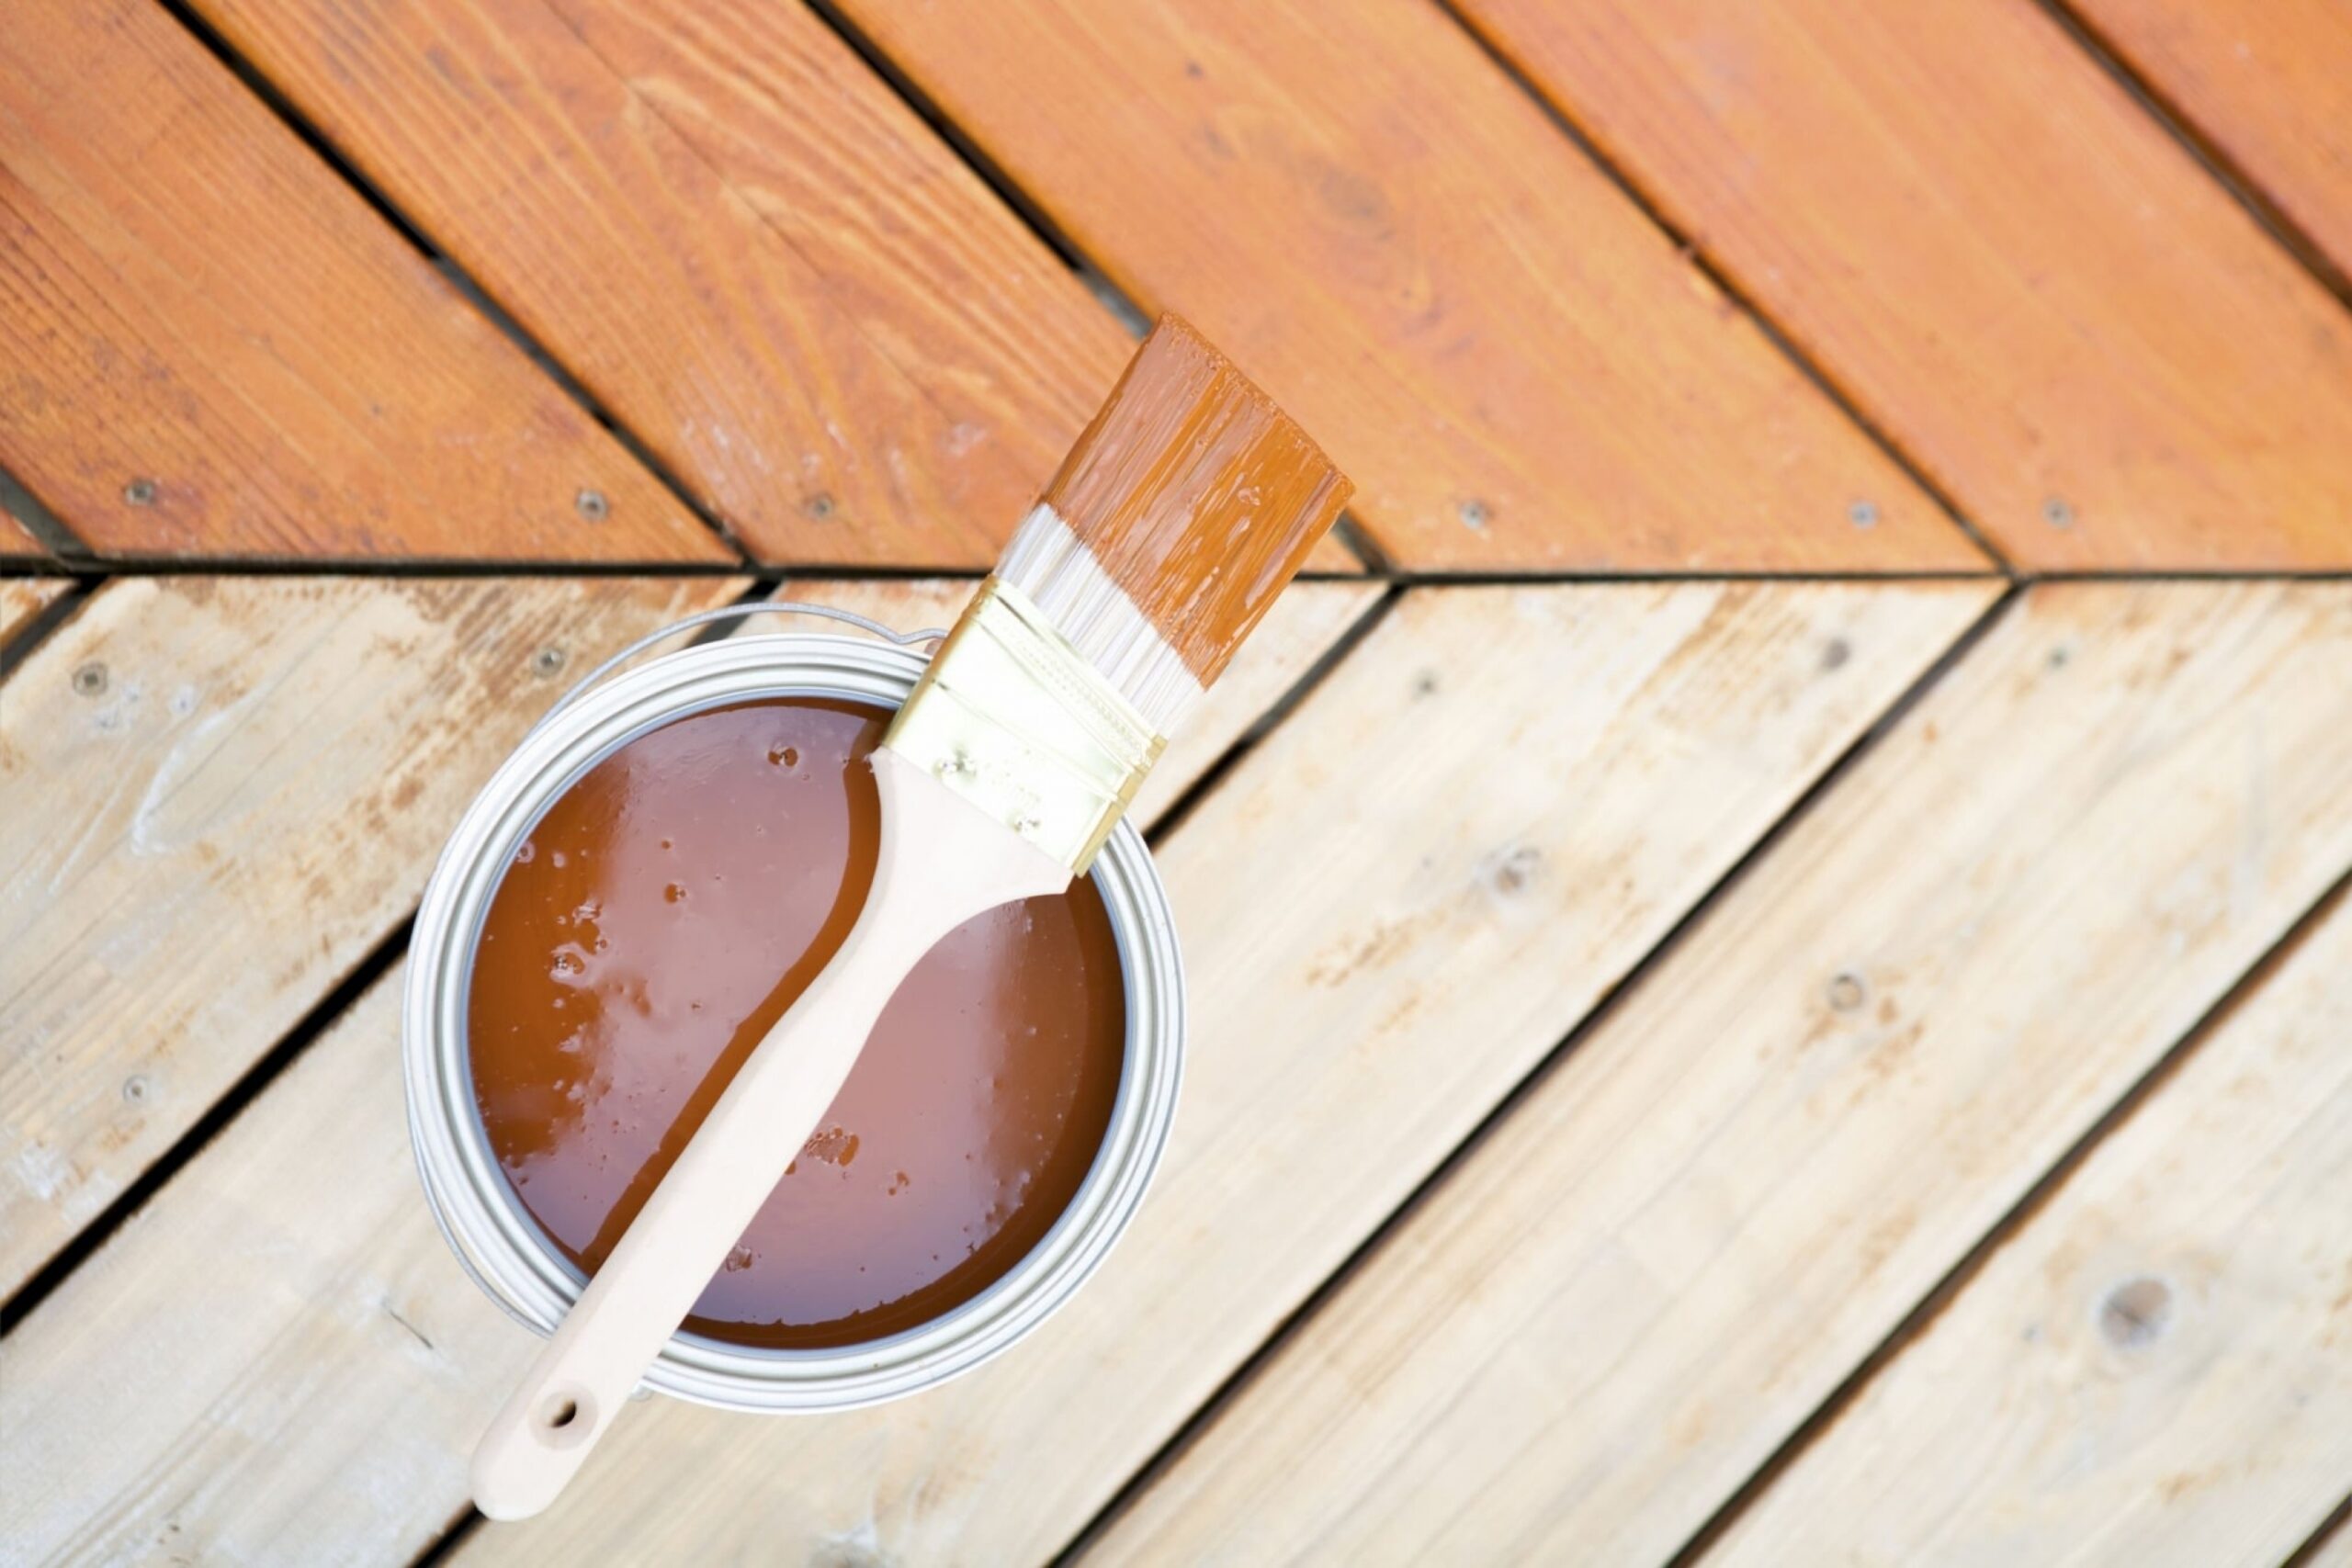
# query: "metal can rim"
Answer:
x=505 y=1251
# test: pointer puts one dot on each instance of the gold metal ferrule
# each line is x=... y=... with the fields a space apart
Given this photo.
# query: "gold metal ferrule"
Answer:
x=1018 y=722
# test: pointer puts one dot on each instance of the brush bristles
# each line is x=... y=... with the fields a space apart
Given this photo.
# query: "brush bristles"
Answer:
x=1047 y=562
x=1196 y=495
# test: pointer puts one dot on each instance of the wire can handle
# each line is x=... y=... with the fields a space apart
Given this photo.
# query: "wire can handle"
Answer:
x=735 y=613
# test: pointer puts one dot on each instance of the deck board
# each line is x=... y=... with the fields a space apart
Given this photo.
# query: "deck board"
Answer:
x=16 y=540
x=210 y=346
x=740 y=241
x=2158 y=1369
x=1671 y=1252
x=316 y=1365
x=195 y=852
x=1511 y=362
x=2005 y=261
x=21 y=598
x=1383 y=930
x=2266 y=82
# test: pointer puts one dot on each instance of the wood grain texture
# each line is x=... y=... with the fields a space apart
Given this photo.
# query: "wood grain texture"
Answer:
x=210 y=346
x=1383 y=932
x=934 y=270
x=2008 y=262
x=279 y=1362
x=737 y=239
x=2268 y=84
x=1512 y=363
x=196 y=849
x=2158 y=1367
x=1673 y=1250
x=21 y=598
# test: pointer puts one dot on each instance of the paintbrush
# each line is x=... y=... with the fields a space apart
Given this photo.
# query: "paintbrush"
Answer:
x=1185 y=507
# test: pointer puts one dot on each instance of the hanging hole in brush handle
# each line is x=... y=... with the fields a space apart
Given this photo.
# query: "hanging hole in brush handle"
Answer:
x=931 y=635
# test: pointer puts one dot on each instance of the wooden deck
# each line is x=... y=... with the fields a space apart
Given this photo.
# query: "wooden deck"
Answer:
x=1771 y=972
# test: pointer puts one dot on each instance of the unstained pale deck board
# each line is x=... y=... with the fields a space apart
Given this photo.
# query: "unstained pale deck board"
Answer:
x=2005 y=260
x=209 y=344
x=1673 y=1250
x=739 y=239
x=21 y=598
x=2268 y=84
x=2157 y=1369
x=1510 y=361
x=1383 y=928
x=196 y=849
x=308 y=1365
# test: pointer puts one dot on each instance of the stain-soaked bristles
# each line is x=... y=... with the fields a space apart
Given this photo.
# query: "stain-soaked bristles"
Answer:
x=1195 y=495
x=1063 y=579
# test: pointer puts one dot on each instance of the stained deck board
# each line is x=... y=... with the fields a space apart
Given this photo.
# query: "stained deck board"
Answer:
x=1934 y=983
x=315 y=1364
x=1514 y=365
x=1382 y=931
x=2268 y=84
x=741 y=242
x=21 y=598
x=932 y=268
x=2158 y=1367
x=2002 y=257
x=210 y=346
x=194 y=851
x=16 y=540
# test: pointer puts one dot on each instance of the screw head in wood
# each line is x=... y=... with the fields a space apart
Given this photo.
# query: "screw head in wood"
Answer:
x=1473 y=516
x=2136 y=1312
x=134 y=1088
x=819 y=505
x=547 y=661
x=591 y=505
x=90 y=681
x=1862 y=515
x=140 y=492
x=2057 y=512
x=1847 y=992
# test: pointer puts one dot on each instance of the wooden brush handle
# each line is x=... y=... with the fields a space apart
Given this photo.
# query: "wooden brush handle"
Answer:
x=941 y=862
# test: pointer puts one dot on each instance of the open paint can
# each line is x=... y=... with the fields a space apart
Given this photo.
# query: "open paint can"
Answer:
x=495 y=1237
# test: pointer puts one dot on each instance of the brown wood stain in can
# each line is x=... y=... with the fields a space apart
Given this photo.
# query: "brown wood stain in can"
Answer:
x=659 y=920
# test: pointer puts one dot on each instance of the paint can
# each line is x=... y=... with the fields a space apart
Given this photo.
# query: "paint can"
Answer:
x=505 y=1250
